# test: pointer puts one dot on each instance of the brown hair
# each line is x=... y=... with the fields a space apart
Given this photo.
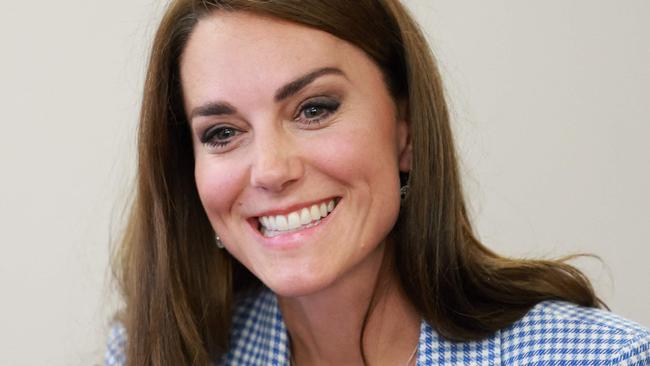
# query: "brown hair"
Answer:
x=179 y=288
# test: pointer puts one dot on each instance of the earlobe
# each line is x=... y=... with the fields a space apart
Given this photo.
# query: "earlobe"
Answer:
x=404 y=137
x=405 y=147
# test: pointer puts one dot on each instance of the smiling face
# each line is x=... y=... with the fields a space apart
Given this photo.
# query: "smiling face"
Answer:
x=297 y=149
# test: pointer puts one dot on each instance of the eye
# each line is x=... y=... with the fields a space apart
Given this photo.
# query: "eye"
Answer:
x=219 y=136
x=316 y=109
x=313 y=112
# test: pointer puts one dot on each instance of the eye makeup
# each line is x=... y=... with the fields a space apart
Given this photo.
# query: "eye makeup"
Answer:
x=219 y=135
x=316 y=109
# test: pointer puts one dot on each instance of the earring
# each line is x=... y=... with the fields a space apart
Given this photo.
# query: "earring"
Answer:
x=403 y=192
x=404 y=186
x=218 y=241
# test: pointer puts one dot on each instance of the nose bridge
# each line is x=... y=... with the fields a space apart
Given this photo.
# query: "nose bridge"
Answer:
x=276 y=163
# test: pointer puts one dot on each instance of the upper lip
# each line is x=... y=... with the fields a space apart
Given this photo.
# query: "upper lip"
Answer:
x=291 y=208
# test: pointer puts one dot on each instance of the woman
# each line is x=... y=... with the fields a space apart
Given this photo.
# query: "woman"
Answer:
x=299 y=202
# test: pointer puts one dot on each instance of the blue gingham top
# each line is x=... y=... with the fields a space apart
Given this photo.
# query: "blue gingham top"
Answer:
x=551 y=333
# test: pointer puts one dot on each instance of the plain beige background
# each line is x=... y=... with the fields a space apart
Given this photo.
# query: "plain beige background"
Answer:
x=551 y=106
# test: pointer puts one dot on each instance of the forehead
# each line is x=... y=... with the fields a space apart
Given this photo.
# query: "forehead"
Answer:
x=228 y=50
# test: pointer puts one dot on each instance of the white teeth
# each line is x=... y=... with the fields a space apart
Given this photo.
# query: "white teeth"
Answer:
x=323 y=210
x=294 y=220
x=305 y=217
x=281 y=223
x=315 y=212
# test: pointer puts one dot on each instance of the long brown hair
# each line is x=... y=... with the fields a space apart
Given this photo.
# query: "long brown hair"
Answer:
x=179 y=288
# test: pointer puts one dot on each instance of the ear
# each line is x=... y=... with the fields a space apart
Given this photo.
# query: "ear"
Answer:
x=405 y=148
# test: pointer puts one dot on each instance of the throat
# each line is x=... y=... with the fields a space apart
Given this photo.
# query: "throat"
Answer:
x=332 y=329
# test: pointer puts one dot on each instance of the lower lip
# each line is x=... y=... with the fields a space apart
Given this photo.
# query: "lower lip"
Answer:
x=293 y=239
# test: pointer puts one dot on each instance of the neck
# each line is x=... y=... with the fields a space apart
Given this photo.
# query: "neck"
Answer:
x=327 y=328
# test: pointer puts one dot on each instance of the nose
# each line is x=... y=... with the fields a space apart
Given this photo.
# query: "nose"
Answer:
x=276 y=163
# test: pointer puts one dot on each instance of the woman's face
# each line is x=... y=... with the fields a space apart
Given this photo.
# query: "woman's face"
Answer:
x=297 y=149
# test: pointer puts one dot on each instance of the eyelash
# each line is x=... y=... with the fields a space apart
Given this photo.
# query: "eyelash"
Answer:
x=325 y=106
x=209 y=136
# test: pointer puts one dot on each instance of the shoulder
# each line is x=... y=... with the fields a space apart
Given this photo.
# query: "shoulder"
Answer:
x=257 y=336
x=115 y=349
x=557 y=332
x=551 y=333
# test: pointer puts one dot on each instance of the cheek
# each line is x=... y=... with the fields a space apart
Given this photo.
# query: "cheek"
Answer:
x=365 y=151
x=218 y=185
x=364 y=161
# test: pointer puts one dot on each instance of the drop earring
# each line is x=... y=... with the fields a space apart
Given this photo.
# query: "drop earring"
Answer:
x=218 y=241
x=404 y=186
x=403 y=192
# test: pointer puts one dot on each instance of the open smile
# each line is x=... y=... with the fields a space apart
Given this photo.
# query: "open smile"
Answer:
x=299 y=219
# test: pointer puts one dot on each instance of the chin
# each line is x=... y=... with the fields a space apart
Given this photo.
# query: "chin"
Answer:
x=295 y=286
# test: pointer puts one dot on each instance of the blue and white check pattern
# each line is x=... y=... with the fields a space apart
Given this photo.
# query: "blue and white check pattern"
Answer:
x=116 y=346
x=259 y=336
x=552 y=333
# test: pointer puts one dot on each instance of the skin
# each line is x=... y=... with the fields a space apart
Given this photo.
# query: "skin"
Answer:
x=262 y=148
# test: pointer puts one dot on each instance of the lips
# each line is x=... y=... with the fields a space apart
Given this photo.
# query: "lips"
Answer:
x=296 y=220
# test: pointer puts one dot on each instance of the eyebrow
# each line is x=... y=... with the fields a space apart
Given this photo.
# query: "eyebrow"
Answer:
x=212 y=109
x=219 y=108
x=295 y=86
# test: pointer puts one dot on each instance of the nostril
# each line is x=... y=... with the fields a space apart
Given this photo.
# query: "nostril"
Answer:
x=275 y=169
x=272 y=181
